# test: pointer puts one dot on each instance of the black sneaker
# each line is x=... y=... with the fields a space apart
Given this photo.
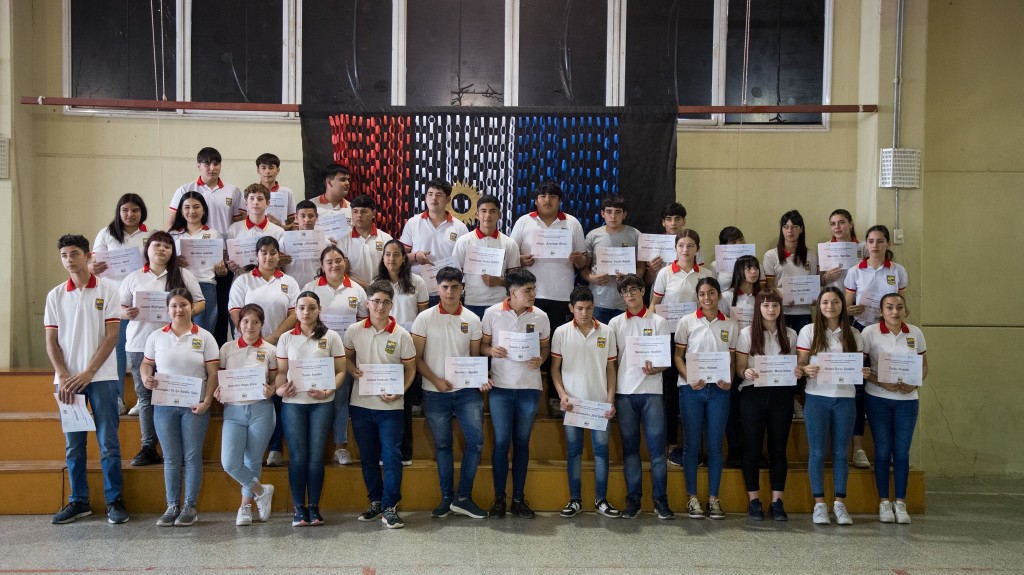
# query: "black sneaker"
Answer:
x=468 y=508
x=72 y=511
x=392 y=519
x=313 y=515
x=675 y=457
x=443 y=509
x=607 y=509
x=147 y=456
x=632 y=510
x=778 y=511
x=662 y=510
x=301 y=516
x=521 y=509
x=573 y=508
x=754 y=510
x=372 y=513
x=498 y=508
x=116 y=513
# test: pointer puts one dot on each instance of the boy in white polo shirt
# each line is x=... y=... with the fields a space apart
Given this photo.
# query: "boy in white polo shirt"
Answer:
x=365 y=245
x=583 y=356
x=482 y=290
x=256 y=223
x=282 y=199
x=82 y=319
x=431 y=236
x=224 y=199
x=337 y=183
x=304 y=271
x=517 y=383
x=377 y=419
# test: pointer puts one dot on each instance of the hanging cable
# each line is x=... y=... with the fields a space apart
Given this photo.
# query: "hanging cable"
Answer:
x=152 y=29
x=746 y=56
x=163 y=55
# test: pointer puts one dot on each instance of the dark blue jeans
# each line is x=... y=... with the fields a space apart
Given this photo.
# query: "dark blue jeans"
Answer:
x=892 y=424
x=825 y=416
x=306 y=427
x=574 y=461
x=466 y=406
x=512 y=415
x=709 y=406
x=378 y=434
x=102 y=397
x=605 y=314
x=646 y=409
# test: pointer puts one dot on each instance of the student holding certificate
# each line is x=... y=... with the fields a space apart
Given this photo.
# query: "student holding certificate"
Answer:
x=840 y=222
x=737 y=303
x=249 y=421
x=830 y=409
x=377 y=419
x=182 y=348
x=892 y=406
x=583 y=356
x=190 y=224
x=307 y=388
x=706 y=331
x=454 y=332
x=764 y=406
x=485 y=290
x=730 y=235
x=613 y=234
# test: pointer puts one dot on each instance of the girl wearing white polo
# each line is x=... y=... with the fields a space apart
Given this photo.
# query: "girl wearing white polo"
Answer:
x=267 y=287
x=746 y=284
x=840 y=222
x=190 y=223
x=790 y=258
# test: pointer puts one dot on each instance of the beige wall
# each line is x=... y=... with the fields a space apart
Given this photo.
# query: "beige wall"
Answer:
x=960 y=70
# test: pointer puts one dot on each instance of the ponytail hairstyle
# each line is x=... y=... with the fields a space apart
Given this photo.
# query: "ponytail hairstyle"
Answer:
x=800 y=255
x=885 y=232
x=319 y=328
x=179 y=218
x=757 y=327
x=116 y=227
x=820 y=341
x=849 y=218
x=743 y=263
x=405 y=284
x=174 y=275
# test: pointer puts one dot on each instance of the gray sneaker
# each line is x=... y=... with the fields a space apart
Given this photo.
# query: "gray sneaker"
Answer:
x=72 y=511
x=187 y=517
x=263 y=502
x=167 y=519
x=392 y=519
x=693 y=509
x=468 y=508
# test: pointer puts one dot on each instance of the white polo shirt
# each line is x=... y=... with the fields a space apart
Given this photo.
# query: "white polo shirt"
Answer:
x=349 y=298
x=724 y=277
x=870 y=284
x=237 y=354
x=775 y=270
x=276 y=296
x=478 y=293
x=674 y=285
x=304 y=271
x=324 y=206
x=730 y=300
x=105 y=242
x=554 y=276
x=406 y=306
x=505 y=372
x=364 y=253
x=631 y=379
x=204 y=274
x=146 y=280
x=878 y=340
x=246 y=229
x=450 y=335
x=285 y=196
x=224 y=201
x=697 y=333
x=835 y=345
x=607 y=296
x=80 y=317
x=861 y=251
x=186 y=354
x=771 y=346
x=584 y=359
x=393 y=344
x=295 y=345
x=420 y=235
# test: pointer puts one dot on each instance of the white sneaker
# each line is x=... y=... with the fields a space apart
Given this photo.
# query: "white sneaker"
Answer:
x=860 y=460
x=274 y=459
x=820 y=516
x=244 y=516
x=798 y=410
x=135 y=409
x=885 y=514
x=342 y=456
x=842 y=515
x=121 y=409
x=902 y=517
x=263 y=502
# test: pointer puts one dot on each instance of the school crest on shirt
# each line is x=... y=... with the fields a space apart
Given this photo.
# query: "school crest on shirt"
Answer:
x=911 y=343
x=891 y=280
x=352 y=302
x=453 y=236
x=390 y=347
x=322 y=344
x=197 y=343
x=261 y=356
x=531 y=327
x=807 y=266
x=648 y=331
x=284 y=288
x=464 y=327
x=601 y=342
x=380 y=246
x=99 y=303
x=724 y=335
x=207 y=236
x=227 y=201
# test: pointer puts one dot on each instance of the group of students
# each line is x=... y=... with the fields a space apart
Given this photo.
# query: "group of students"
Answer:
x=371 y=287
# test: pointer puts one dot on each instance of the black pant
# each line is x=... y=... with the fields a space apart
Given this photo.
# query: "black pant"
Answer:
x=222 y=330
x=768 y=408
x=414 y=396
x=558 y=315
x=670 y=399
x=733 y=427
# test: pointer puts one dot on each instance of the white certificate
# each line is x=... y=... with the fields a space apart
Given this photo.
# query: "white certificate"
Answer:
x=382 y=379
x=75 y=416
x=465 y=371
x=711 y=366
x=243 y=251
x=152 y=306
x=202 y=254
x=656 y=348
x=177 y=390
x=800 y=290
x=312 y=373
x=338 y=322
x=743 y=315
x=481 y=260
x=278 y=207
x=905 y=368
x=673 y=311
x=613 y=261
x=870 y=300
x=551 y=244
x=840 y=368
x=650 y=246
x=774 y=370
x=430 y=272
x=726 y=256
x=832 y=255
x=303 y=244
x=520 y=346
x=336 y=225
x=587 y=414
x=244 y=384
x=120 y=262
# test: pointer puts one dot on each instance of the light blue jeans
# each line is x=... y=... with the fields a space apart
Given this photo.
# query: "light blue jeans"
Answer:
x=146 y=425
x=708 y=405
x=244 y=438
x=102 y=397
x=824 y=417
x=181 y=434
x=634 y=411
x=574 y=445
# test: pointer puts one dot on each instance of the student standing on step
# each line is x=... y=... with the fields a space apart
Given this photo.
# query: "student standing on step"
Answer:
x=190 y=223
x=268 y=167
x=365 y=245
x=483 y=290
x=613 y=234
x=431 y=236
x=82 y=320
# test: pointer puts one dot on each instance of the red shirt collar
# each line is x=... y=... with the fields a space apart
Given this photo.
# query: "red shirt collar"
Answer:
x=276 y=187
x=200 y=182
x=89 y=285
x=373 y=231
x=242 y=344
x=884 y=329
x=440 y=309
x=676 y=269
x=256 y=273
x=506 y=307
x=481 y=235
x=345 y=282
x=262 y=225
x=561 y=214
x=390 y=328
x=142 y=228
x=642 y=313
x=700 y=315
x=323 y=200
x=785 y=254
x=194 y=330
x=864 y=264
x=447 y=215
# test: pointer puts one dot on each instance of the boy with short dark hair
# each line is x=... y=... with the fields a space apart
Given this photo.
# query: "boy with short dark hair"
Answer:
x=613 y=234
x=431 y=236
x=365 y=245
x=337 y=183
x=281 y=208
x=483 y=290
x=224 y=199
x=304 y=271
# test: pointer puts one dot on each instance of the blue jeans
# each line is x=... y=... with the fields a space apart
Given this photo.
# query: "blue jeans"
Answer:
x=477 y=309
x=512 y=414
x=378 y=433
x=341 y=399
x=208 y=319
x=605 y=314
x=892 y=424
x=244 y=438
x=181 y=434
x=102 y=397
x=122 y=356
x=574 y=445
x=696 y=407
x=467 y=406
x=645 y=409
x=306 y=426
x=824 y=416
x=146 y=425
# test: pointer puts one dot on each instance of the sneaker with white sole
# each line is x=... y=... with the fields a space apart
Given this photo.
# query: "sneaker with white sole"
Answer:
x=136 y=409
x=342 y=456
x=187 y=517
x=391 y=518
x=604 y=508
x=572 y=508
x=167 y=519
x=842 y=515
x=820 y=515
x=860 y=459
x=662 y=510
x=274 y=459
x=244 y=516
x=693 y=509
x=902 y=517
x=72 y=511
x=263 y=502
x=885 y=514
x=121 y=408
x=715 y=510
x=372 y=513
x=468 y=508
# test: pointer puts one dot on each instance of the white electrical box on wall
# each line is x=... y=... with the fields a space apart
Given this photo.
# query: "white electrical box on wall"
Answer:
x=5 y=158
x=899 y=168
